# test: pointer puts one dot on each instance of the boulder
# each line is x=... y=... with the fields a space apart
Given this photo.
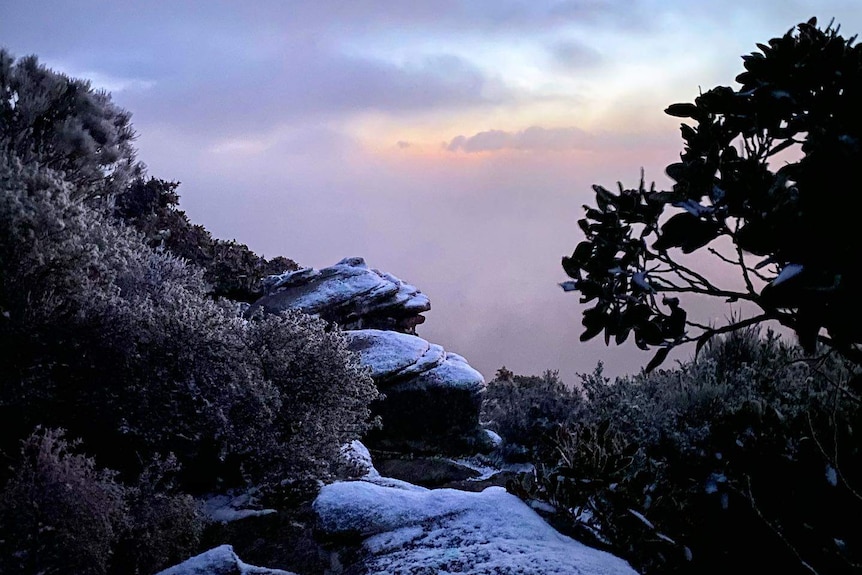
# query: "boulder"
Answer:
x=431 y=398
x=350 y=294
x=415 y=530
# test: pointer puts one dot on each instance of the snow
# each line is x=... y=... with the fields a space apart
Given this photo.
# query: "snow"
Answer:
x=453 y=372
x=394 y=355
x=348 y=283
x=221 y=559
x=831 y=475
x=451 y=531
x=357 y=454
x=495 y=438
x=227 y=508
x=391 y=354
x=487 y=468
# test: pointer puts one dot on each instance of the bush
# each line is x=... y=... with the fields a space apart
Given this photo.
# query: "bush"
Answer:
x=120 y=344
x=325 y=394
x=525 y=411
x=230 y=269
x=161 y=527
x=58 y=512
x=65 y=125
x=744 y=459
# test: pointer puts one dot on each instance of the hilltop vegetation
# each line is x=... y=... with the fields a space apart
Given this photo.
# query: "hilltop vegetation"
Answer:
x=746 y=459
x=127 y=380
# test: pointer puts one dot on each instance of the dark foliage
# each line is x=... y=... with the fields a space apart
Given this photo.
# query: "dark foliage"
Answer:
x=65 y=125
x=743 y=460
x=110 y=330
x=230 y=268
x=526 y=412
x=799 y=94
x=58 y=512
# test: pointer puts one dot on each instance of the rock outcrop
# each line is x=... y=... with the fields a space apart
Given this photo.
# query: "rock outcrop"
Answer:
x=350 y=294
x=219 y=561
x=402 y=528
x=432 y=398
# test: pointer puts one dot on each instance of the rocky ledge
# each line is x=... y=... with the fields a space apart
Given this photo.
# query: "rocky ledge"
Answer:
x=350 y=294
x=432 y=398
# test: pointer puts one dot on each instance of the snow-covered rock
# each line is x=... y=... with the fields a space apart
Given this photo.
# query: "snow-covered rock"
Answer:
x=450 y=531
x=348 y=293
x=432 y=398
x=219 y=561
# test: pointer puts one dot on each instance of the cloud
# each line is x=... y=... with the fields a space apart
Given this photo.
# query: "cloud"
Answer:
x=402 y=144
x=308 y=83
x=534 y=138
x=574 y=55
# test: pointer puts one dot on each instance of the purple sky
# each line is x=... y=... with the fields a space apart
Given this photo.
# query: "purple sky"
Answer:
x=449 y=143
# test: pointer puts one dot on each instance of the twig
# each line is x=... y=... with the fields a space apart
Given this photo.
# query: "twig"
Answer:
x=774 y=529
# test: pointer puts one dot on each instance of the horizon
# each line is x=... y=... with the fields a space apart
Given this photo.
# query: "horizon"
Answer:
x=451 y=145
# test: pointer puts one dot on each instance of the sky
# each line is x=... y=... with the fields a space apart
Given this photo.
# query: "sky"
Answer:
x=450 y=143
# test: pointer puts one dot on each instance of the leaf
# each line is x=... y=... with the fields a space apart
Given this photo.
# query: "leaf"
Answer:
x=639 y=279
x=694 y=207
x=676 y=171
x=604 y=198
x=686 y=231
x=686 y=110
x=781 y=147
x=622 y=335
x=594 y=322
x=572 y=267
x=657 y=359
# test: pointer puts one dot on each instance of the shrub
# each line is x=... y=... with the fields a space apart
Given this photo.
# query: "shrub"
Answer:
x=525 y=411
x=58 y=512
x=161 y=527
x=120 y=344
x=325 y=393
x=65 y=125
x=744 y=459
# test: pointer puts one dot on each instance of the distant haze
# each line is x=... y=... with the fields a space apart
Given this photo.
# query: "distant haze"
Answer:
x=451 y=144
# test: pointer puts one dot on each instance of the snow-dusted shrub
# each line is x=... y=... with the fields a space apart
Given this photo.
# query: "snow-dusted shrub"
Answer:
x=64 y=124
x=324 y=391
x=161 y=527
x=745 y=459
x=120 y=344
x=58 y=512
x=526 y=410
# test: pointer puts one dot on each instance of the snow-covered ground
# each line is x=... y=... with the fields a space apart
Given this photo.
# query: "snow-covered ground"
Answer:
x=409 y=529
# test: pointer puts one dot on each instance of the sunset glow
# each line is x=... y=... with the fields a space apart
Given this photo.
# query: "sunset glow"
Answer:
x=449 y=143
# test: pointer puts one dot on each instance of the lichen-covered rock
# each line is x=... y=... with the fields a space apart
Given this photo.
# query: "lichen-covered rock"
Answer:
x=350 y=294
x=431 y=398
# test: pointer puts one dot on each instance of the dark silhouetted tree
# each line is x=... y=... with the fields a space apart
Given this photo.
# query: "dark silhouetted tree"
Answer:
x=785 y=222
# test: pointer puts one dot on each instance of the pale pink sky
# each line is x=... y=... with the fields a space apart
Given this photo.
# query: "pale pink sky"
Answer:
x=449 y=143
